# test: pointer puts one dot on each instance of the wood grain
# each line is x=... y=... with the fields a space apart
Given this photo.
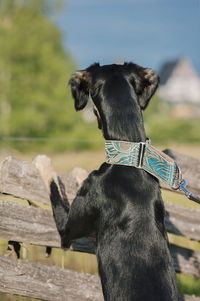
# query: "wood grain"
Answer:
x=36 y=280
x=36 y=225
x=21 y=179
x=190 y=168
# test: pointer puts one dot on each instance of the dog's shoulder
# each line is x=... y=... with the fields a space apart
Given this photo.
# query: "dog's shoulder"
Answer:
x=93 y=179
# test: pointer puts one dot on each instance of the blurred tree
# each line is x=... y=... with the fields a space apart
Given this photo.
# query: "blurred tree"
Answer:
x=34 y=70
x=163 y=128
x=43 y=6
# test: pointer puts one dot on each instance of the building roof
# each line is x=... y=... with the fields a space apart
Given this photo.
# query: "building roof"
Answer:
x=167 y=70
x=179 y=82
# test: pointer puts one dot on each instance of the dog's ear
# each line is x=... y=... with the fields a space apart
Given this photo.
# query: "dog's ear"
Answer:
x=145 y=82
x=80 y=85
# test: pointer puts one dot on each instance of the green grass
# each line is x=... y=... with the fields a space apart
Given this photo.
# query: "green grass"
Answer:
x=179 y=199
x=188 y=285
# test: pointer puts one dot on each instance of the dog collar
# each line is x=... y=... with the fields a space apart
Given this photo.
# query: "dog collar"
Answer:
x=143 y=155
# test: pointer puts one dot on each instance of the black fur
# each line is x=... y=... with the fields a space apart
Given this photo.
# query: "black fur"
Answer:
x=121 y=204
x=16 y=246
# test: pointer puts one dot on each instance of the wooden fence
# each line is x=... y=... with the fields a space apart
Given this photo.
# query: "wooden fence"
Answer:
x=32 y=224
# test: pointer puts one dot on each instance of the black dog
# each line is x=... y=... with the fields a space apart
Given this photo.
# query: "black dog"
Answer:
x=121 y=204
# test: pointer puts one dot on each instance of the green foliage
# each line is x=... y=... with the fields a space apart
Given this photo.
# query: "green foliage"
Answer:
x=162 y=127
x=34 y=71
x=43 y=6
x=34 y=98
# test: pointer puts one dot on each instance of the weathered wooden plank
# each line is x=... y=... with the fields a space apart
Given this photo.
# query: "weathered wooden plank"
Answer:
x=21 y=179
x=23 y=223
x=182 y=221
x=36 y=280
x=186 y=261
x=35 y=225
x=28 y=224
x=190 y=168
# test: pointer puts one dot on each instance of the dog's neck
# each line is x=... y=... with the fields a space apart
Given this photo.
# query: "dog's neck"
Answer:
x=129 y=128
x=120 y=118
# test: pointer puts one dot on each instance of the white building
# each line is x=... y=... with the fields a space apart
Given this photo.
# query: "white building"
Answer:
x=180 y=83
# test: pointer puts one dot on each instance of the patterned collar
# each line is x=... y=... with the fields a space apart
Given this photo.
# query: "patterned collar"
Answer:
x=143 y=155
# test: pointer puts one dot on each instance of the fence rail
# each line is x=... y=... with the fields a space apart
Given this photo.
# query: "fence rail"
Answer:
x=46 y=282
x=35 y=225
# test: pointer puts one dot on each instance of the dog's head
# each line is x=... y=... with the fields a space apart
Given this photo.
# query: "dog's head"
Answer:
x=119 y=92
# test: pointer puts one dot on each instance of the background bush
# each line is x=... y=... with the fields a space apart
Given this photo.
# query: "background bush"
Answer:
x=35 y=102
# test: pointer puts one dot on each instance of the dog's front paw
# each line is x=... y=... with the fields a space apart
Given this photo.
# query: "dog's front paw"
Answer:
x=44 y=166
x=65 y=243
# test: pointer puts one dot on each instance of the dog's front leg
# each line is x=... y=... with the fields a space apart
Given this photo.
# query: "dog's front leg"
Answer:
x=81 y=221
x=73 y=221
x=59 y=202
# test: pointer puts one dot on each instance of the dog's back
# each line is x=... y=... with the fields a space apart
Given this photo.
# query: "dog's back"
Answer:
x=133 y=256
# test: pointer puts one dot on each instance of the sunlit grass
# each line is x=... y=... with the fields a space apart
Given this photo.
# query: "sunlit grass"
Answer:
x=78 y=261
x=188 y=285
x=179 y=199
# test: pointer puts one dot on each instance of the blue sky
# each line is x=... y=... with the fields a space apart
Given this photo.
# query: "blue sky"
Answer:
x=147 y=32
